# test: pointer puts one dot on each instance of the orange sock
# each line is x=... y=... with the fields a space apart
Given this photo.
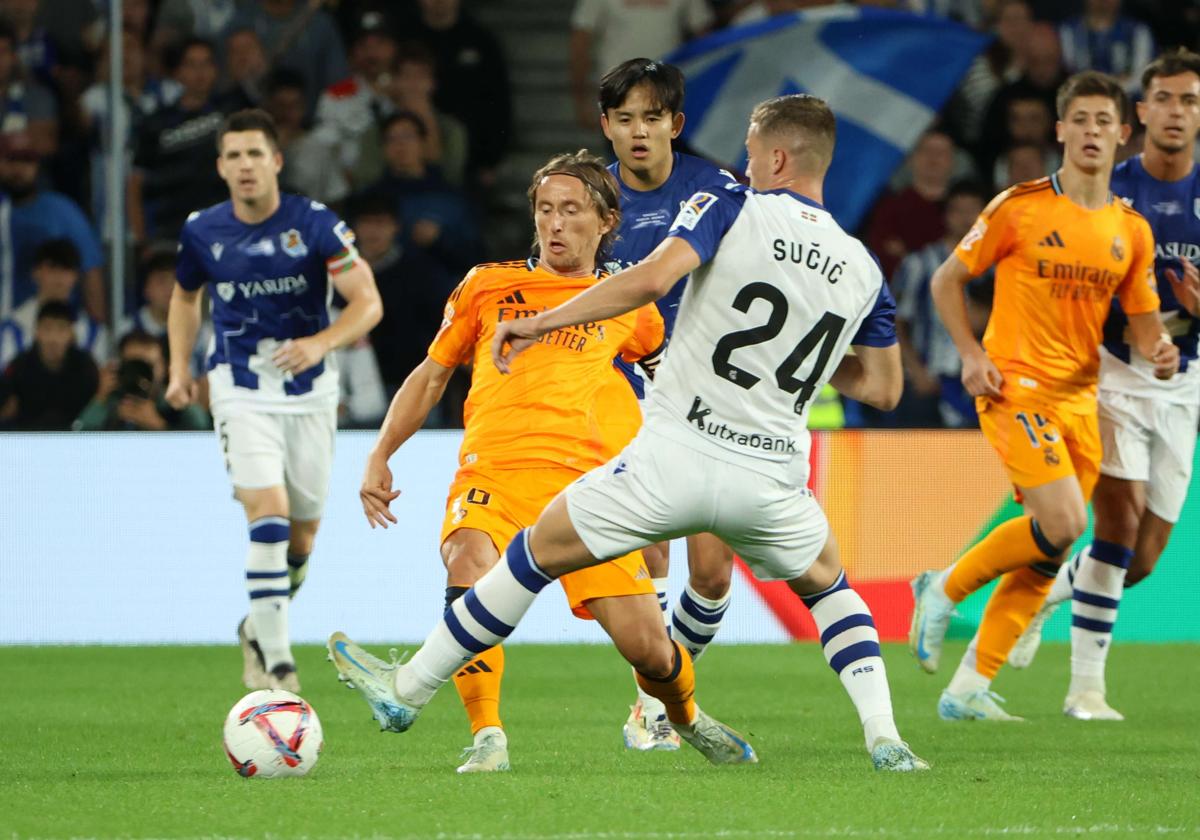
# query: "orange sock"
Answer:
x=675 y=690
x=1010 y=609
x=478 y=684
x=1010 y=545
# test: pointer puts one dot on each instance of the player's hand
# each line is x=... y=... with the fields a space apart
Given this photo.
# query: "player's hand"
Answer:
x=377 y=494
x=1165 y=358
x=181 y=391
x=297 y=355
x=1187 y=287
x=980 y=377
x=511 y=338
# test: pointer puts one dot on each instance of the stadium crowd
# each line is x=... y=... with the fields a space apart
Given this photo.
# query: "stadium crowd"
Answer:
x=399 y=116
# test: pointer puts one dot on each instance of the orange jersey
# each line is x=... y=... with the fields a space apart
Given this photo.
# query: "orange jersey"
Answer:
x=1058 y=266
x=546 y=411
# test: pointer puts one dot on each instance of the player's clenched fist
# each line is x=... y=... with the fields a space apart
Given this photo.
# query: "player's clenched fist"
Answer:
x=516 y=336
x=1165 y=358
x=297 y=355
x=980 y=377
x=181 y=392
x=377 y=494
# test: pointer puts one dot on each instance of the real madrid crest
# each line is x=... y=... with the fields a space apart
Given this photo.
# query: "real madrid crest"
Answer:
x=292 y=244
x=1118 y=249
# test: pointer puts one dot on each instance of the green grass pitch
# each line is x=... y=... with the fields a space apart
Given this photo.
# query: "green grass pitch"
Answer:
x=125 y=742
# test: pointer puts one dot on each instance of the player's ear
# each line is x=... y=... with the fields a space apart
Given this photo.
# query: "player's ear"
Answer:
x=604 y=124
x=1058 y=130
x=278 y=157
x=1125 y=133
x=676 y=124
x=1141 y=107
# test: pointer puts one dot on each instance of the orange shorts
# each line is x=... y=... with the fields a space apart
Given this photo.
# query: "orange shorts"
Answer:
x=1038 y=445
x=502 y=502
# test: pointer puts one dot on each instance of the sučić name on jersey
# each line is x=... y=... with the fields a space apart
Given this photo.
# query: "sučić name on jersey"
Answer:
x=809 y=255
x=752 y=440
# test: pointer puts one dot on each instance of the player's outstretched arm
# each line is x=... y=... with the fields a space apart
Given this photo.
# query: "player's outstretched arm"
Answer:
x=421 y=391
x=871 y=375
x=1154 y=343
x=623 y=292
x=363 y=311
x=183 y=325
x=948 y=286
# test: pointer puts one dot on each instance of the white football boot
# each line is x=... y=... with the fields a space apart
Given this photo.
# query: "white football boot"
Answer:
x=1090 y=705
x=973 y=705
x=489 y=754
x=930 y=619
x=645 y=731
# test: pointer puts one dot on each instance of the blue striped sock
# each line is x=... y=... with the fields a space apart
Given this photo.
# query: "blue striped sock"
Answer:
x=664 y=599
x=269 y=589
x=1098 y=584
x=697 y=619
x=851 y=646
x=481 y=619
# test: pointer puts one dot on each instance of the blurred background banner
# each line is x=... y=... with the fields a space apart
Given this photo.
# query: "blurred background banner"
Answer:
x=886 y=74
x=125 y=538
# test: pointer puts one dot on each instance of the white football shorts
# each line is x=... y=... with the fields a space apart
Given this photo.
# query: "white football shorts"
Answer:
x=659 y=489
x=290 y=450
x=1149 y=440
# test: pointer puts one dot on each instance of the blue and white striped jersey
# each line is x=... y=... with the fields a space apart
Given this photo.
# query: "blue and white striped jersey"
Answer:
x=269 y=282
x=1173 y=210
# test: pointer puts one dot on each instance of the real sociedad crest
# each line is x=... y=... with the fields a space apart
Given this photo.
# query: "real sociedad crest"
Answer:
x=226 y=291
x=292 y=244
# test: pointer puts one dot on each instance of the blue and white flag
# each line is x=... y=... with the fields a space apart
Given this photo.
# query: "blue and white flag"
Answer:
x=884 y=73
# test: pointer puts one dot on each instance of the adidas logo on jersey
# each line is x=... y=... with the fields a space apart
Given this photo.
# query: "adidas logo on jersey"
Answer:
x=1052 y=241
x=515 y=297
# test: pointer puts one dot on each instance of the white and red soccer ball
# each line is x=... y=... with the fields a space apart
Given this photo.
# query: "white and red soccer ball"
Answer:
x=272 y=733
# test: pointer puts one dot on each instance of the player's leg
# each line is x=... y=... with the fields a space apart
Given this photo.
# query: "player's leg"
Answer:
x=664 y=670
x=647 y=728
x=701 y=607
x=468 y=554
x=1037 y=458
x=254 y=450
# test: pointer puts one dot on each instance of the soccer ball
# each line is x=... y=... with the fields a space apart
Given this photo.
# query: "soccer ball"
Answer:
x=273 y=733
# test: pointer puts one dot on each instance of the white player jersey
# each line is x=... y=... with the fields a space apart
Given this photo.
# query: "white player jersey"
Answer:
x=780 y=296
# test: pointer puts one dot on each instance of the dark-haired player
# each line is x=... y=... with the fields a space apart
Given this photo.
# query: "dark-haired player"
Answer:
x=268 y=261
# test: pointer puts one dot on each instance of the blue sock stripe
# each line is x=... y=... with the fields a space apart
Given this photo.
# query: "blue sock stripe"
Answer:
x=269 y=529
x=692 y=636
x=700 y=613
x=1114 y=554
x=484 y=616
x=266 y=575
x=1046 y=568
x=521 y=564
x=1094 y=600
x=843 y=624
x=852 y=653
x=255 y=594
x=811 y=601
x=1071 y=574
x=1044 y=545
x=1085 y=623
x=461 y=635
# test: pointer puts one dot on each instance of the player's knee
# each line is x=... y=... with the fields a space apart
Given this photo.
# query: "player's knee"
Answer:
x=651 y=654
x=712 y=583
x=1140 y=567
x=657 y=559
x=465 y=566
x=1065 y=528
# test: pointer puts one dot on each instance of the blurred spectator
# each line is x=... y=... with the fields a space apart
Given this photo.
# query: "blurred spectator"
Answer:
x=362 y=400
x=436 y=216
x=37 y=51
x=1103 y=39
x=25 y=105
x=55 y=275
x=606 y=32
x=129 y=395
x=349 y=108
x=46 y=387
x=967 y=12
x=411 y=88
x=244 y=83
x=934 y=395
x=1041 y=62
x=472 y=80
x=142 y=95
x=300 y=36
x=174 y=167
x=179 y=20
x=310 y=164
x=912 y=217
x=1024 y=162
x=1030 y=123
x=413 y=286
x=29 y=216
x=998 y=64
x=756 y=10
x=73 y=26
x=158 y=281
